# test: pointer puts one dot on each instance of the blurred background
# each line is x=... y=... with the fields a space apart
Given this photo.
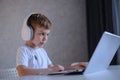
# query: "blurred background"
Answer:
x=77 y=26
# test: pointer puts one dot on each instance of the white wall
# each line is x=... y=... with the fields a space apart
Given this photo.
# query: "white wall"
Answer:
x=67 y=41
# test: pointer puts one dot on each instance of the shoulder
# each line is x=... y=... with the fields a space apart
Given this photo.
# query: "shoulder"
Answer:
x=24 y=49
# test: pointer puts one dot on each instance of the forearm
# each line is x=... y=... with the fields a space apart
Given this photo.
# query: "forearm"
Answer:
x=24 y=71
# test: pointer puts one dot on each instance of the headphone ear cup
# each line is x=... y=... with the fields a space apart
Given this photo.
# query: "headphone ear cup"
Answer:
x=26 y=32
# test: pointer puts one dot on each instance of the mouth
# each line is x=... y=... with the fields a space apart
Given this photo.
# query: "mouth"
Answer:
x=42 y=43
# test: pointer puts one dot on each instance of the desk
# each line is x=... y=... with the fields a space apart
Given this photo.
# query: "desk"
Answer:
x=113 y=73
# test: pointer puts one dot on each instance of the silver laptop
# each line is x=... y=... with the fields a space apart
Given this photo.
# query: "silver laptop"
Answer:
x=104 y=53
x=102 y=56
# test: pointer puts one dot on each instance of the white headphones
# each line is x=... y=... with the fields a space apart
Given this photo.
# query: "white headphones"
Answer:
x=26 y=32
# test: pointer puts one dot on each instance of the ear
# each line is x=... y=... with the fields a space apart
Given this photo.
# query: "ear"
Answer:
x=26 y=32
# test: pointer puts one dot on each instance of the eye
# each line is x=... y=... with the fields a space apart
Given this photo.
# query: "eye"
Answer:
x=47 y=34
x=42 y=34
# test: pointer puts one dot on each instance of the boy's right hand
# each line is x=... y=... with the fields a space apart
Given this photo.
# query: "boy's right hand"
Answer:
x=56 y=68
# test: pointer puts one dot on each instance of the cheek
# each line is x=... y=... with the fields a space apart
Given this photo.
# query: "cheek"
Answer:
x=37 y=38
x=42 y=38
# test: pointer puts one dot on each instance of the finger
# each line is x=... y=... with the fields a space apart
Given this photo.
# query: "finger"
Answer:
x=61 y=67
x=75 y=64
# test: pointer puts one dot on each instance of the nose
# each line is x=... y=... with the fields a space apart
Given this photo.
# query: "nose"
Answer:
x=45 y=38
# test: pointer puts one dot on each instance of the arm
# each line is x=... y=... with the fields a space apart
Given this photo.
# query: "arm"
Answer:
x=77 y=65
x=24 y=71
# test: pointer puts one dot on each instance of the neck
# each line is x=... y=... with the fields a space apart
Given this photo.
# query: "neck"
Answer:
x=30 y=44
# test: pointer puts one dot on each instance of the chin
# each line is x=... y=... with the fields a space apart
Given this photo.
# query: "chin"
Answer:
x=41 y=45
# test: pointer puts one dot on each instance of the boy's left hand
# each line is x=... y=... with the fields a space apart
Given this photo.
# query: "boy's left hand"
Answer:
x=80 y=64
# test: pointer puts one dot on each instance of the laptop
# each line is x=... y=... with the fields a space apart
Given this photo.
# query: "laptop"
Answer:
x=102 y=56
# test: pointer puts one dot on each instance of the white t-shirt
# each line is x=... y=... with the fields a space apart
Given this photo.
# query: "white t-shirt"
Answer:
x=32 y=58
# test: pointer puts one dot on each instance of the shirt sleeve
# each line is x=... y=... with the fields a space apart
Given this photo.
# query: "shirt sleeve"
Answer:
x=49 y=62
x=21 y=57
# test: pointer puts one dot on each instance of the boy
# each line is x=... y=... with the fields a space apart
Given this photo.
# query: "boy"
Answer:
x=32 y=59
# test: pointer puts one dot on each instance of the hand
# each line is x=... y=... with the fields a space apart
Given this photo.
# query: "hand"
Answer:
x=80 y=64
x=56 y=68
x=84 y=64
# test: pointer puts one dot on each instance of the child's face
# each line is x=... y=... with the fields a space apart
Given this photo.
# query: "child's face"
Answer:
x=40 y=36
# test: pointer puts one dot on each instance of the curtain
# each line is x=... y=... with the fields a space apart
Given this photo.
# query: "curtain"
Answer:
x=116 y=22
x=99 y=19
